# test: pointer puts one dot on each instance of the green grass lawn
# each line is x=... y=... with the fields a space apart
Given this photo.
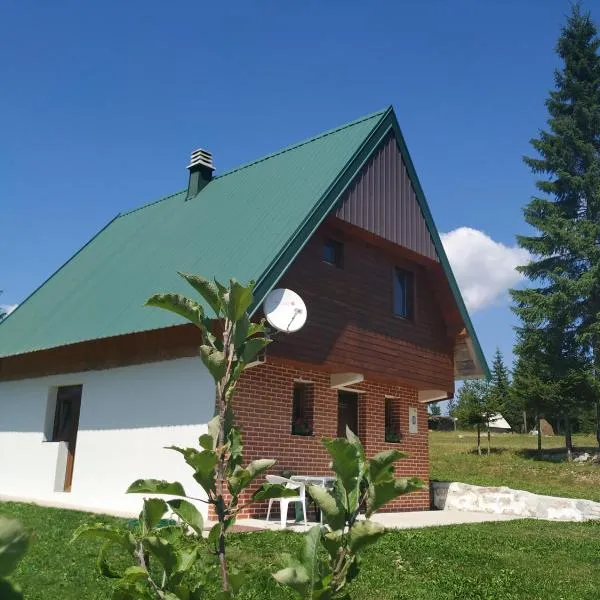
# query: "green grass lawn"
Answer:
x=513 y=464
x=490 y=561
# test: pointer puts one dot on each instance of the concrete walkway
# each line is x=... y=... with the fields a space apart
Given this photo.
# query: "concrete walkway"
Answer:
x=401 y=520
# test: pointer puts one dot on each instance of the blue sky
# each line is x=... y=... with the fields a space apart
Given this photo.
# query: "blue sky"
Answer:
x=101 y=104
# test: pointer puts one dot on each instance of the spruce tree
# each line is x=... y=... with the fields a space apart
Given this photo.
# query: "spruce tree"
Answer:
x=500 y=389
x=563 y=302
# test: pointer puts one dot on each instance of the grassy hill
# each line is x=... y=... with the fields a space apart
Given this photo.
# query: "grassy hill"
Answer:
x=514 y=463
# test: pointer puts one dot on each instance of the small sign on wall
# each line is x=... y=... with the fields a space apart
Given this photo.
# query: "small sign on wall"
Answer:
x=412 y=420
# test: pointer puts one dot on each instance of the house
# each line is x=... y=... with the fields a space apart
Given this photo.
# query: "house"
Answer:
x=93 y=385
x=499 y=424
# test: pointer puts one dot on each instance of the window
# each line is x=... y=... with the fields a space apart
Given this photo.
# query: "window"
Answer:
x=333 y=252
x=63 y=423
x=393 y=432
x=347 y=412
x=303 y=408
x=66 y=413
x=403 y=293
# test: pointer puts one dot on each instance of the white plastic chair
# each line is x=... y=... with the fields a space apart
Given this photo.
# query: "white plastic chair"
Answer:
x=285 y=502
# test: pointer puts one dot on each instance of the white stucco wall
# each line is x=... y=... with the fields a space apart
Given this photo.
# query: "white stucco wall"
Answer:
x=128 y=415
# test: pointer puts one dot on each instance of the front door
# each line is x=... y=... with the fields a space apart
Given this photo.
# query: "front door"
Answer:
x=347 y=412
x=66 y=424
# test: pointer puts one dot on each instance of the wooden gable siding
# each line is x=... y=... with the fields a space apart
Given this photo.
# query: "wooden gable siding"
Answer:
x=351 y=325
x=382 y=200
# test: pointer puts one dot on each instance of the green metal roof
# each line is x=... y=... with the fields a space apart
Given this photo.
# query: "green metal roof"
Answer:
x=249 y=223
x=235 y=227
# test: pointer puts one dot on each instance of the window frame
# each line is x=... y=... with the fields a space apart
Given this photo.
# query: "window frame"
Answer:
x=408 y=292
x=338 y=250
x=308 y=406
x=392 y=432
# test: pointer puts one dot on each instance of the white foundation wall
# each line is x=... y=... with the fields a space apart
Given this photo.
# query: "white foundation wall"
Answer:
x=128 y=415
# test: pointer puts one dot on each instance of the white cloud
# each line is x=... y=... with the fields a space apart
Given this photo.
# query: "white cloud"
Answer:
x=484 y=268
x=7 y=308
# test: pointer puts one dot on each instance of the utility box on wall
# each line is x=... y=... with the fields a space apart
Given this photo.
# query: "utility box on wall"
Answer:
x=412 y=420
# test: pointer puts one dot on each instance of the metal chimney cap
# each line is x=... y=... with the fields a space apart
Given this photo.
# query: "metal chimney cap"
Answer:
x=201 y=157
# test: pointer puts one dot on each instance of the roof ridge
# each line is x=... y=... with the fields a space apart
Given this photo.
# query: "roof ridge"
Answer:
x=124 y=214
x=266 y=157
x=323 y=134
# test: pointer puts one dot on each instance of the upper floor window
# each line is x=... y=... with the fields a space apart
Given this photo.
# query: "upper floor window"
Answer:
x=333 y=252
x=403 y=293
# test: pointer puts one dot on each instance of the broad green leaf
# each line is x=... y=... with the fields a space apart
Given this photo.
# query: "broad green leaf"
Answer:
x=252 y=347
x=214 y=361
x=364 y=533
x=9 y=592
x=355 y=441
x=206 y=441
x=173 y=533
x=163 y=551
x=346 y=463
x=156 y=486
x=332 y=542
x=106 y=532
x=205 y=471
x=152 y=513
x=296 y=578
x=132 y=590
x=178 y=304
x=381 y=466
x=14 y=541
x=135 y=573
x=207 y=289
x=240 y=332
x=256 y=328
x=241 y=478
x=213 y=430
x=213 y=536
x=186 y=559
x=311 y=551
x=272 y=490
x=236 y=449
x=258 y=467
x=333 y=513
x=381 y=493
x=240 y=299
x=189 y=513
x=238 y=480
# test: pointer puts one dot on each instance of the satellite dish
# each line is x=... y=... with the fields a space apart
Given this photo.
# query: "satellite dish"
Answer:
x=285 y=310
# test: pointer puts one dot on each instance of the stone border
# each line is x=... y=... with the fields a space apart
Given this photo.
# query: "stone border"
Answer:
x=506 y=501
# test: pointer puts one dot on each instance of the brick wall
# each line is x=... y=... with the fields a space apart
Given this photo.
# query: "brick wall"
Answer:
x=263 y=407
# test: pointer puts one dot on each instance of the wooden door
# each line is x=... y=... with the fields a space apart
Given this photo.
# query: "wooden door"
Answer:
x=66 y=424
x=347 y=412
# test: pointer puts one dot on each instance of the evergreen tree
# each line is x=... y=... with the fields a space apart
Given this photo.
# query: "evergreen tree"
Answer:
x=435 y=409
x=474 y=408
x=500 y=390
x=563 y=304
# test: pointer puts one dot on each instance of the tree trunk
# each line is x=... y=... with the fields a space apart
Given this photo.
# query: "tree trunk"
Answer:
x=479 y=439
x=568 y=439
x=539 y=433
x=525 y=421
x=598 y=422
x=489 y=440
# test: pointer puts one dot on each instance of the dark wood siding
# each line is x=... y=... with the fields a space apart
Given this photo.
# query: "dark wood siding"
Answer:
x=351 y=325
x=382 y=200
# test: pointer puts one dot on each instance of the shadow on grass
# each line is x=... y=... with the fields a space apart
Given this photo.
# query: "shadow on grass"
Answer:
x=484 y=451
x=556 y=455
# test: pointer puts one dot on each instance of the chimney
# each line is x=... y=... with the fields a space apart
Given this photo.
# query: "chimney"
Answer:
x=201 y=169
